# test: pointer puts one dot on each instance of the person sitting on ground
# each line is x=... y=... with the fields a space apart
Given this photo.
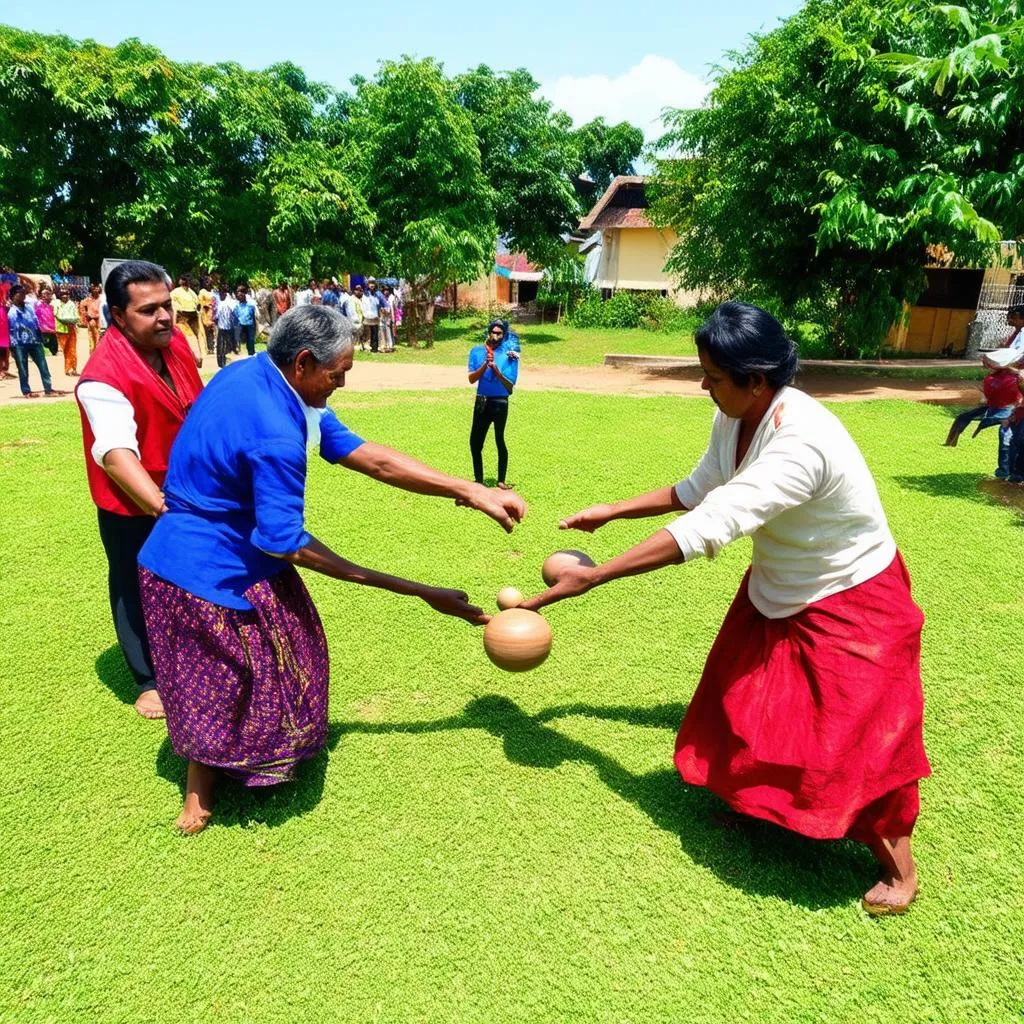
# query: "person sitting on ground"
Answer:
x=1002 y=396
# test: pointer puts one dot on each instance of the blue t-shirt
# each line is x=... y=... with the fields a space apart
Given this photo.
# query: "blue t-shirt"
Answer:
x=488 y=385
x=245 y=314
x=235 y=486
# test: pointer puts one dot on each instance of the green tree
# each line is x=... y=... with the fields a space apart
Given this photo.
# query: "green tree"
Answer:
x=122 y=152
x=605 y=151
x=419 y=168
x=528 y=155
x=841 y=146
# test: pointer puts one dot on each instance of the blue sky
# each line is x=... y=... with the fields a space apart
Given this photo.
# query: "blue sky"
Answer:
x=624 y=59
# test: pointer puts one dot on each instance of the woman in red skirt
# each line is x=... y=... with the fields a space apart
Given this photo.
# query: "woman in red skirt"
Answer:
x=809 y=710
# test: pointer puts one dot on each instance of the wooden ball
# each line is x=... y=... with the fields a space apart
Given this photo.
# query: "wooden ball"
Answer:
x=557 y=563
x=509 y=597
x=517 y=640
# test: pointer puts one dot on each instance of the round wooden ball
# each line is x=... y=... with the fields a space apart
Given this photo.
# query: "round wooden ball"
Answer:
x=509 y=597
x=557 y=563
x=517 y=640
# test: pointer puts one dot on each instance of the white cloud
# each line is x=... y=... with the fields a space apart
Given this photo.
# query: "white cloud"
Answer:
x=638 y=95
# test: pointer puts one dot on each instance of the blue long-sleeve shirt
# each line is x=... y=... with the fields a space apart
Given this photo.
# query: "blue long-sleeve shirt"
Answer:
x=235 y=486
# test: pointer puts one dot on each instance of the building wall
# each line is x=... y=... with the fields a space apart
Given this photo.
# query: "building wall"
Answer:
x=633 y=259
x=480 y=293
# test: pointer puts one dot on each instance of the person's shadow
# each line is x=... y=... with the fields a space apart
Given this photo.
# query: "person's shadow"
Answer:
x=112 y=671
x=751 y=855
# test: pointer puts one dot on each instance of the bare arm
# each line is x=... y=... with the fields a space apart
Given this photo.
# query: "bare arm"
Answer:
x=653 y=503
x=477 y=374
x=400 y=470
x=657 y=551
x=320 y=558
x=123 y=467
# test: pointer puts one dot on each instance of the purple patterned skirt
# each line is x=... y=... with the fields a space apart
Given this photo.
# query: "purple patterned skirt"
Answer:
x=244 y=691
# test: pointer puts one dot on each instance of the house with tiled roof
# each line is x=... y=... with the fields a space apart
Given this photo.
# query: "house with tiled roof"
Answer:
x=512 y=281
x=633 y=250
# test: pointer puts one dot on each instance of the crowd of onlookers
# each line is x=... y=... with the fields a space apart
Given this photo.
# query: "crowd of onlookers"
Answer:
x=222 y=320
x=217 y=320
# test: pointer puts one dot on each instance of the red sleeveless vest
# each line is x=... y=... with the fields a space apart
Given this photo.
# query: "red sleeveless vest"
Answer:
x=159 y=412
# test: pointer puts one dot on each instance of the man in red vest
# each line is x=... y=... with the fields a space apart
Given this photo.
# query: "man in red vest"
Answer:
x=133 y=395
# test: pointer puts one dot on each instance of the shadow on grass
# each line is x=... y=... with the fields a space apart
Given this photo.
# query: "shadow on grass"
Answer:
x=750 y=855
x=263 y=805
x=985 y=490
x=113 y=673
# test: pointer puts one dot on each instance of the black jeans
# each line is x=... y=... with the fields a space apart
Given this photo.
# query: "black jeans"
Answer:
x=226 y=343
x=485 y=412
x=247 y=332
x=123 y=537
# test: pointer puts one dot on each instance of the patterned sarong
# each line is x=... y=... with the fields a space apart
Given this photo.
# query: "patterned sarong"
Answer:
x=244 y=691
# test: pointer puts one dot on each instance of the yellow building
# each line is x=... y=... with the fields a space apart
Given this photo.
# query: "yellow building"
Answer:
x=633 y=250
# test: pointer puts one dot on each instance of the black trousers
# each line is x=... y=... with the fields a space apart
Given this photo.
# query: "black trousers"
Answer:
x=485 y=412
x=123 y=537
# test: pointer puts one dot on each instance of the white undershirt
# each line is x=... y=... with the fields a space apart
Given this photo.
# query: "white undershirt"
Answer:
x=112 y=418
x=803 y=493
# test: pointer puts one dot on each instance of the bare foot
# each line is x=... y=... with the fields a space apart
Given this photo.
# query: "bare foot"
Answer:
x=198 y=808
x=149 y=705
x=503 y=486
x=896 y=889
x=31 y=394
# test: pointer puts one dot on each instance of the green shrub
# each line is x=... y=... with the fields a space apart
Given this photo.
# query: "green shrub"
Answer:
x=647 y=310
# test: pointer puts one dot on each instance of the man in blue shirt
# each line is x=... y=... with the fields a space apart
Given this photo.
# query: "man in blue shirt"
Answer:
x=494 y=369
x=27 y=343
x=245 y=317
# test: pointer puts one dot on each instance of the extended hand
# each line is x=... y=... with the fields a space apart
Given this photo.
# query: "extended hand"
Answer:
x=456 y=603
x=503 y=506
x=571 y=583
x=589 y=520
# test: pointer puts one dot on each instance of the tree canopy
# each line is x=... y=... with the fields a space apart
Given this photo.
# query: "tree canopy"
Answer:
x=605 y=150
x=837 y=149
x=119 y=151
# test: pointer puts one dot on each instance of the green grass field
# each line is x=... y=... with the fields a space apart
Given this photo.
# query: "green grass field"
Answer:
x=483 y=847
x=545 y=344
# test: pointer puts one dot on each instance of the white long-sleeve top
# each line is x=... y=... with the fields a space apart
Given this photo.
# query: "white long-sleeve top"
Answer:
x=802 y=492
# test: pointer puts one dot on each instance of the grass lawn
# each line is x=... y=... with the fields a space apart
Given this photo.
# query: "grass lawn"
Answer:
x=544 y=344
x=483 y=847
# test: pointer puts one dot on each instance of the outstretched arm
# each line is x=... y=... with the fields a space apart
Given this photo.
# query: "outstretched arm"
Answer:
x=657 y=551
x=654 y=503
x=320 y=558
x=399 y=470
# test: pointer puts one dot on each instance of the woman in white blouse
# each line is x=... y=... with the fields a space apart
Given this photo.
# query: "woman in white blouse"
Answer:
x=809 y=710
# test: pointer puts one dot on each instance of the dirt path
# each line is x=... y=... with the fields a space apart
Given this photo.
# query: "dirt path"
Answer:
x=383 y=376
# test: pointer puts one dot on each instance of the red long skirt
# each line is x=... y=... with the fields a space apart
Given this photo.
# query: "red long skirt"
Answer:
x=814 y=722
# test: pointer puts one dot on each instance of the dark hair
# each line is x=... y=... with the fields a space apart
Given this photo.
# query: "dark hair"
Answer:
x=497 y=323
x=1017 y=311
x=17 y=289
x=131 y=272
x=744 y=340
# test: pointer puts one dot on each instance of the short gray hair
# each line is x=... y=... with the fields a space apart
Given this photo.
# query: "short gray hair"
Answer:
x=321 y=330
